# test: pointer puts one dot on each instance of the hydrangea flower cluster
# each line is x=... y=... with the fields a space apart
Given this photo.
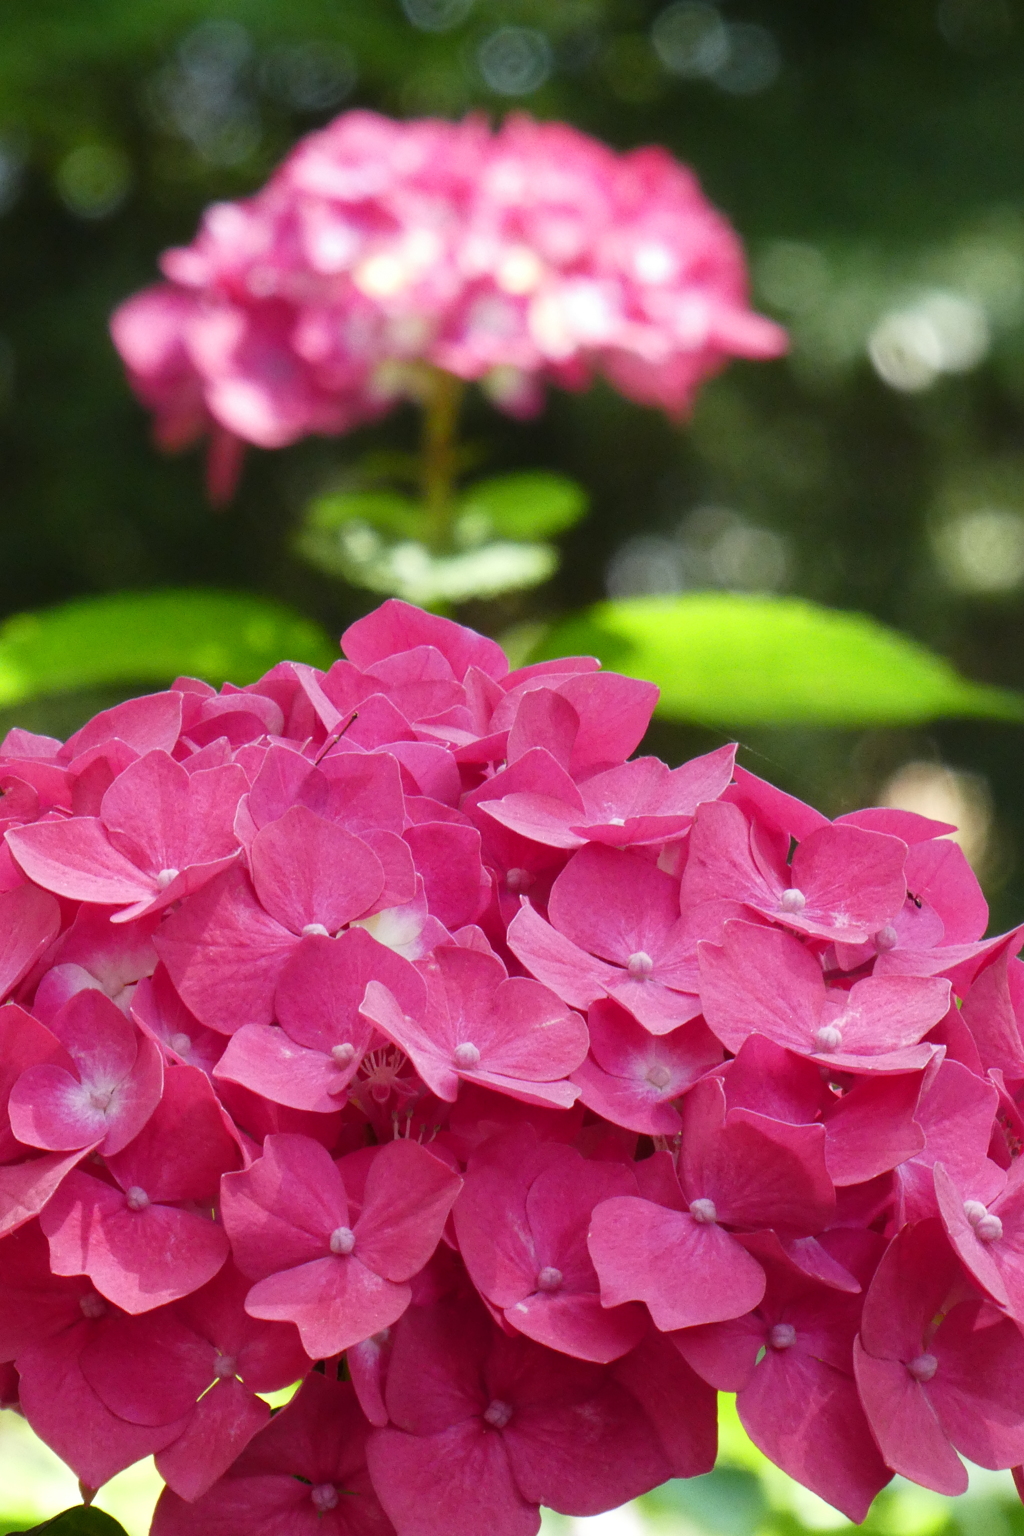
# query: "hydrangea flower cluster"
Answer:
x=528 y=255
x=393 y=1029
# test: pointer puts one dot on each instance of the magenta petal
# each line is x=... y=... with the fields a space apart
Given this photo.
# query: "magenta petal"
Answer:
x=978 y=1389
x=307 y=870
x=724 y=1354
x=806 y=1417
x=224 y=954
x=458 y=1481
x=322 y=986
x=334 y=1302
x=222 y=1424
x=66 y=1413
x=579 y=1324
x=282 y=1210
x=575 y=976
x=149 y=1369
x=138 y=1259
x=686 y=1272
x=262 y=1057
x=26 y=1187
x=408 y=1195
x=682 y=1408
x=29 y=920
x=905 y=1424
x=75 y=858
x=571 y=1470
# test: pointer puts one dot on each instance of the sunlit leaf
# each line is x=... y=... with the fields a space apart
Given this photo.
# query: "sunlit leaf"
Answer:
x=151 y=637
x=531 y=504
x=410 y=570
x=387 y=511
x=80 y=1521
x=732 y=660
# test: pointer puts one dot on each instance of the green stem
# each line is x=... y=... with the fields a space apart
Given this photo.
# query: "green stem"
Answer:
x=439 y=456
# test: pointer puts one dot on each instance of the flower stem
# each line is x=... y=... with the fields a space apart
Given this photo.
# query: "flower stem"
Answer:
x=439 y=456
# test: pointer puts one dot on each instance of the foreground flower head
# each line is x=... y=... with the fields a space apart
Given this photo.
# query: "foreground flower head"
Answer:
x=395 y=1030
x=521 y=257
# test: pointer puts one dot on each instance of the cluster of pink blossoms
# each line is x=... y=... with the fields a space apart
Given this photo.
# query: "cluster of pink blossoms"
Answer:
x=392 y=1028
x=528 y=255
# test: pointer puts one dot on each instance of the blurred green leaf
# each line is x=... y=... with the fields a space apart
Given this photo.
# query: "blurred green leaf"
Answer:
x=151 y=637
x=80 y=1521
x=731 y=660
x=531 y=504
x=408 y=569
x=387 y=511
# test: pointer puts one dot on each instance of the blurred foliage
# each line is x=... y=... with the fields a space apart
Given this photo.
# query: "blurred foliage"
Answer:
x=151 y=637
x=494 y=537
x=739 y=661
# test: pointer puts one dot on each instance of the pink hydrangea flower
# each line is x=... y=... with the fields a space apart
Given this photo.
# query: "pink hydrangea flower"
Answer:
x=521 y=257
x=552 y=1088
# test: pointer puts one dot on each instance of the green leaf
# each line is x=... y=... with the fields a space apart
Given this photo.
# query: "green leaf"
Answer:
x=387 y=511
x=80 y=1521
x=729 y=660
x=409 y=569
x=151 y=637
x=532 y=504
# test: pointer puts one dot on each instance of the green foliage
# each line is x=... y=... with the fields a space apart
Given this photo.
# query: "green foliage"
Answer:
x=151 y=637
x=80 y=1521
x=386 y=511
x=730 y=660
x=532 y=504
x=386 y=541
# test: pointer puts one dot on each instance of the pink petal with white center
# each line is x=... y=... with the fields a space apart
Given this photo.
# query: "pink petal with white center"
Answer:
x=281 y=1212
x=756 y=1171
x=853 y=882
x=905 y=1424
x=139 y=1258
x=686 y=1271
x=334 y=1302
x=322 y=986
x=571 y=973
x=263 y=1058
x=164 y=818
x=307 y=870
x=614 y=904
x=119 y=1082
x=631 y=1076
